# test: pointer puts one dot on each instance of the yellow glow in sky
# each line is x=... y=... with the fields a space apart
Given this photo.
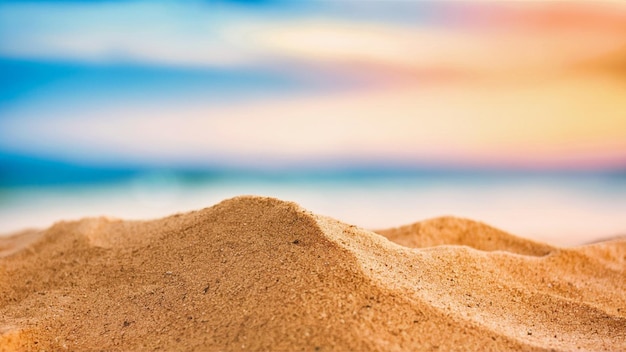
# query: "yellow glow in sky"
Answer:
x=571 y=121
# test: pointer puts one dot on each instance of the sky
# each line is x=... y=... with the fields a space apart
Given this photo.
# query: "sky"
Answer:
x=378 y=113
x=271 y=84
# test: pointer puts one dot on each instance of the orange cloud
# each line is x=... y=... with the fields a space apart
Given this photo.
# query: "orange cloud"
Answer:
x=541 y=17
x=523 y=41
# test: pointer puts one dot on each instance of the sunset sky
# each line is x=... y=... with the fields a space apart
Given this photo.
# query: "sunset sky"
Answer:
x=273 y=83
x=379 y=113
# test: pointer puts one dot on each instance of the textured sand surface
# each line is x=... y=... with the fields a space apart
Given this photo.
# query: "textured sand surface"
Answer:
x=263 y=274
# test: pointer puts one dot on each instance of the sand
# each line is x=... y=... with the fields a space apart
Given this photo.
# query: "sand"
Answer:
x=255 y=273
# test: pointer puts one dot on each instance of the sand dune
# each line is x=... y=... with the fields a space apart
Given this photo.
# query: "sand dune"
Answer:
x=263 y=274
x=463 y=232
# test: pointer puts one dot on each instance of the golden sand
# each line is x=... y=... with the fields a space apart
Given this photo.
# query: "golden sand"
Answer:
x=261 y=274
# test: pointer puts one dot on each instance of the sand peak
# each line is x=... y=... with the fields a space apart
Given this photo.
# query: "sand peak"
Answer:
x=264 y=274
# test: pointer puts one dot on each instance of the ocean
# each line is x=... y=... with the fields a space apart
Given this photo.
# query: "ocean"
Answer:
x=559 y=208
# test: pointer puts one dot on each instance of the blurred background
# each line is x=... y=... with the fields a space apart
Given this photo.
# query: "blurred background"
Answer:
x=378 y=113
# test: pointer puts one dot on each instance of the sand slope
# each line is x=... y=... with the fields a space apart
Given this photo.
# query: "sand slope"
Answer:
x=263 y=274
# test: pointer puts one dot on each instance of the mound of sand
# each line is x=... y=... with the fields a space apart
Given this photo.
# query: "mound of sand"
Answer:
x=263 y=274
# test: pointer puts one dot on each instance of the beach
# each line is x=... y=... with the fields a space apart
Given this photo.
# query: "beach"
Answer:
x=254 y=273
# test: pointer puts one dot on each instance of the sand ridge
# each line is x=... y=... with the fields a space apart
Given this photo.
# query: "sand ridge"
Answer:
x=253 y=273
